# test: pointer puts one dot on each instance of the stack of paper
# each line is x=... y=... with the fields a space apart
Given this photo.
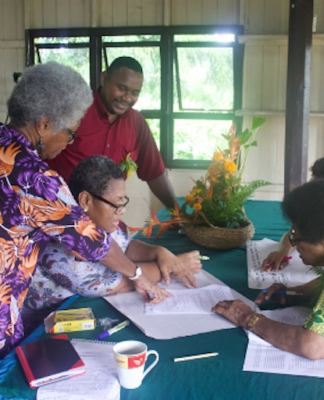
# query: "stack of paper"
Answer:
x=169 y=325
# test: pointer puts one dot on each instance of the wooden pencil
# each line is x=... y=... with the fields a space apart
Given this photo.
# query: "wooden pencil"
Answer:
x=195 y=357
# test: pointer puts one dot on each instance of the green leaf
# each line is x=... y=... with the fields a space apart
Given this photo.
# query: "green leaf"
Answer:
x=255 y=143
x=257 y=122
x=226 y=136
x=245 y=136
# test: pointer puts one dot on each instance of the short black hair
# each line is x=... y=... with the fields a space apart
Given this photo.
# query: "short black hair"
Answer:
x=317 y=168
x=304 y=207
x=128 y=62
x=93 y=174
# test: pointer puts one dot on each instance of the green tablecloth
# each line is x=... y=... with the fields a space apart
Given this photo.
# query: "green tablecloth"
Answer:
x=219 y=377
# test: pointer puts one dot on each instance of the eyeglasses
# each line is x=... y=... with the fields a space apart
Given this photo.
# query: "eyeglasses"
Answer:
x=117 y=208
x=292 y=238
x=72 y=134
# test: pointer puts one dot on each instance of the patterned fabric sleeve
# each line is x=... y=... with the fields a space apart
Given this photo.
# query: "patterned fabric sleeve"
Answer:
x=35 y=207
x=315 y=320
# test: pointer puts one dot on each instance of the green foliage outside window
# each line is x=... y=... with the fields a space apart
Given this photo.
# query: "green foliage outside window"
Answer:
x=203 y=83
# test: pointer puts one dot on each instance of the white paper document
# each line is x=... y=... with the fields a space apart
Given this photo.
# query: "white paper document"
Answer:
x=295 y=273
x=171 y=326
x=100 y=382
x=263 y=357
x=191 y=301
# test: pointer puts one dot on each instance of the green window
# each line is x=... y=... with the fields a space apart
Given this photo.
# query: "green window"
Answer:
x=192 y=79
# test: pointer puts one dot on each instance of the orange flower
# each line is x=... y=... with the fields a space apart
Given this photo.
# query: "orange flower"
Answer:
x=218 y=156
x=189 y=199
x=197 y=207
x=213 y=169
x=230 y=166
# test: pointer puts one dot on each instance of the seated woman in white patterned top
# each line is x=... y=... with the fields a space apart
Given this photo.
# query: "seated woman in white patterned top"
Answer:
x=97 y=184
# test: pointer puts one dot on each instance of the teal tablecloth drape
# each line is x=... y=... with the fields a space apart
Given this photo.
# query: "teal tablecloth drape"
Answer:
x=219 y=377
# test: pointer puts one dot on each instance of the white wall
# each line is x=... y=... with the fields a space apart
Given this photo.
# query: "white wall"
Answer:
x=265 y=69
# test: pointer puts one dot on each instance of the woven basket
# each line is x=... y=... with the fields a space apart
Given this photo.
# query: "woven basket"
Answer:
x=219 y=238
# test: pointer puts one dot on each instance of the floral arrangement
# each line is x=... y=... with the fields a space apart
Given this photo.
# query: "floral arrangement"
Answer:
x=128 y=166
x=217 y=199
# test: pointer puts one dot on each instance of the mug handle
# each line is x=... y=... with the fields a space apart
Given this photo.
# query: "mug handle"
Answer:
x=153 y=364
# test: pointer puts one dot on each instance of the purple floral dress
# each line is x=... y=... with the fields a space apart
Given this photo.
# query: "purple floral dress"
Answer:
x=36 y=206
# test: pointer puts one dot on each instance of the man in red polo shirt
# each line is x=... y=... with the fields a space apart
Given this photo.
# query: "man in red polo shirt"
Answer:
x=112 y=128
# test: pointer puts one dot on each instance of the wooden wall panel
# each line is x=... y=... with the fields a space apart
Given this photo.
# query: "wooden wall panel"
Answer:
x=317 y=81
x=12 y=20
x=50 y=13
x=12 y=60
x=270 y=69
x=34 y=14
x=178 y=12
x=266 y=161
x=153 y=12
x=80 y=13
x=282 y=77
x=266 y=16
x=134 y=13
x=265 y=77
x=254 y=16
x=197 y=12
x=228 y=12
x=316 y=141
x=209 y=12
x=194 y=12
x=104 y=15
x=119 y=12
x=63 y=13
x=252 y=78
x=319 y=12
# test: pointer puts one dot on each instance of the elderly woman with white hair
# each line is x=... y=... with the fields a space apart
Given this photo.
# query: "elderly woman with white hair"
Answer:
x=36 y=205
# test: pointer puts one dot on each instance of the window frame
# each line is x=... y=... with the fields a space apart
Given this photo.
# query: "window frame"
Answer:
x=167 y=45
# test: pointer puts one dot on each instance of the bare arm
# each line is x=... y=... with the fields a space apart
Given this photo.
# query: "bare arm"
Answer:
x=117 y=261
x=294 y=339
x=163 y=190
x=285 y=249
x=167 y=262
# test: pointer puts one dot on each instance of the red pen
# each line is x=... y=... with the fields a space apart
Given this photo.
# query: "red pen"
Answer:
x=284 y=259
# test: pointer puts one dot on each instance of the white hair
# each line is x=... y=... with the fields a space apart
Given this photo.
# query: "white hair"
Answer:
x=52 y=91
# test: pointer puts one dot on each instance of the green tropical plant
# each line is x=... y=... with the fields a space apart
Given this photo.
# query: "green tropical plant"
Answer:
x=217 y=199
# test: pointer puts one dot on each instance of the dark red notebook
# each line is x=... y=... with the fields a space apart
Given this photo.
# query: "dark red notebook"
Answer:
x=49 y=360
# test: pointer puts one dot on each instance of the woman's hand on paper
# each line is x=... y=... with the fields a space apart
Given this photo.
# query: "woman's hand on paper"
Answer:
x=183 y=266
x=276 y=259
x=190 y=261
x=151 y=292
x=235 y=311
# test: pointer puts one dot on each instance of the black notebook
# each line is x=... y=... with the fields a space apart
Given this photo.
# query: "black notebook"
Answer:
x=49 y=360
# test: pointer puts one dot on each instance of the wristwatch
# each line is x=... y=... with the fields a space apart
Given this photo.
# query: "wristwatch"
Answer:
x=253 y=320
x=138 y=273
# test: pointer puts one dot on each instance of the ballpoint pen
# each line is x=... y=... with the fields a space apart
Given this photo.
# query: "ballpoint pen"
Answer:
x=286 y=292
x=284 y=259
x=203 y=258
x=112 y=330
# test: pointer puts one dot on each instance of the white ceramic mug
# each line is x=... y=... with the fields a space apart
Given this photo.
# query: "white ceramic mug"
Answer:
x=130 y=357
